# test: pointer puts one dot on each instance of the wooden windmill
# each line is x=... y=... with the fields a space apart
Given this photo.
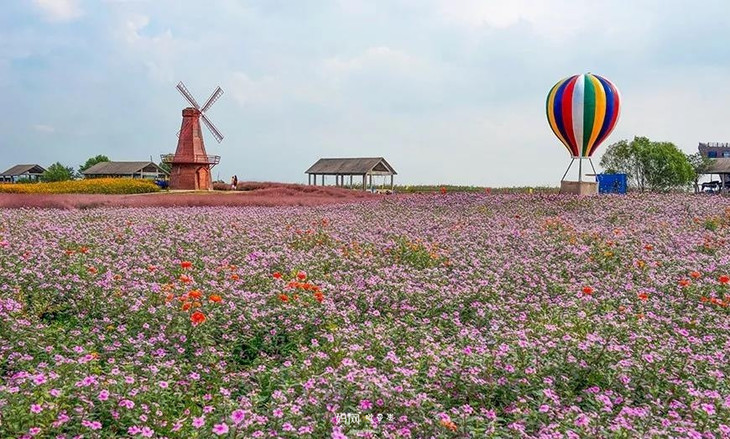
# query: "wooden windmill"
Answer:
x=190 y=165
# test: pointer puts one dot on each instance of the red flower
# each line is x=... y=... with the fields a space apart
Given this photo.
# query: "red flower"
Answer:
x=277 y=275
x=695 y=275
x=234 y=276
x=195 y=294
x=587 y=290
x=643 y=296
x=215 y=298
x=185 y=279
x=443 y=189
x=301 y=275
x=684 y=282
x=319 y=297
x=186 y=306
x=186 y=264
x=197 y=317
x=724 y=279
x=649 y=247
x=283 y=297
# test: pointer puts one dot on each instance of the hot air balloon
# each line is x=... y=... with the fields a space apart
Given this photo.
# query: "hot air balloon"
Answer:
x=582 y=111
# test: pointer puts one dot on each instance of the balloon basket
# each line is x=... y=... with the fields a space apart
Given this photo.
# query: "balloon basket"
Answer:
x=579 y=187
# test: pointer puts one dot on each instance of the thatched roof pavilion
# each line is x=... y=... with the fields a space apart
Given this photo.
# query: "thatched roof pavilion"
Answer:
x=364 y=167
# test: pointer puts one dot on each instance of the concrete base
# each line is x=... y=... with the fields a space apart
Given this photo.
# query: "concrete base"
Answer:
x=579 y=188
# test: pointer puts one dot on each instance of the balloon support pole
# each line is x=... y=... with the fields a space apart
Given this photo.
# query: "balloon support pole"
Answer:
x=579 y=187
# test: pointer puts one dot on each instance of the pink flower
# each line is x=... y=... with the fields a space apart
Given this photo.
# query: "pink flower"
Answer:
x=35 y=408
x=147 y=432
x=237 y=416
x=199 y=422
x=709 y=409
x=220 y=429
x=365 y=404
x=544 y=408
x=103 y=395
x=581 y=420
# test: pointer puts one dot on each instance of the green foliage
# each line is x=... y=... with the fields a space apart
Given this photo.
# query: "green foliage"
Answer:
x=57 y=172
x=92 y=161
x=166 y=166
x=700 y=164
x=656 y=166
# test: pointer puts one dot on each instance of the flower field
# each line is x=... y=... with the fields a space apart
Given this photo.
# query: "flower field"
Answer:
x=445 y=316
x=87 y=186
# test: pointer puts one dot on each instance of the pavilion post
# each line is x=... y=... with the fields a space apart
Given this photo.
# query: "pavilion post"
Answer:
x=391 y=182
x=364 y=182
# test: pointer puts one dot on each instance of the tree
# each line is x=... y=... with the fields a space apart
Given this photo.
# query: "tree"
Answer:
x=92 y=161
x=57 y=172
x=166 y=166
x=700 y=165
x=658 y=166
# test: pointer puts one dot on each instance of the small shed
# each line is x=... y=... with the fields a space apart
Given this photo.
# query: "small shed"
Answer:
x=126 y=169
x=18 y=172
x=721 y=167
x=364 y=168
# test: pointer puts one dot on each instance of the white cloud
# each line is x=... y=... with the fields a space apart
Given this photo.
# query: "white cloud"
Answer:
x=44 y=128
x=59 y=10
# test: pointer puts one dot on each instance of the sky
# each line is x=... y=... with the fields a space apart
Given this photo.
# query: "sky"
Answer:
x=448 y=91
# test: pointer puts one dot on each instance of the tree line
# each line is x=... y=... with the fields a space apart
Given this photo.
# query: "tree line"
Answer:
x=654 y=166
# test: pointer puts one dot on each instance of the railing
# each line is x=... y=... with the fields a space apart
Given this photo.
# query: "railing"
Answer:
x=197 y=158
x=716 y=144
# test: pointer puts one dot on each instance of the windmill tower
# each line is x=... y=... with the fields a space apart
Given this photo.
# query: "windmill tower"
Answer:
x=190 y=165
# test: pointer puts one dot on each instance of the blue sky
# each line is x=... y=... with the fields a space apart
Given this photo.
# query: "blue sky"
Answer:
x=449 y=91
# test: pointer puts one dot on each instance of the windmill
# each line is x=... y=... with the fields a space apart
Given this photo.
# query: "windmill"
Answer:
x=190 y=165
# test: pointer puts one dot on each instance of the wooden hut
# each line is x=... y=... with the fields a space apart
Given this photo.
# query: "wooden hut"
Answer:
x=126 y=169
x=363 y=168
x=22 y=172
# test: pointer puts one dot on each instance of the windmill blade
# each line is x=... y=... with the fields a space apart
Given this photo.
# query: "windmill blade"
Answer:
x=213 y=130
x=184 y=91
x=211 y=100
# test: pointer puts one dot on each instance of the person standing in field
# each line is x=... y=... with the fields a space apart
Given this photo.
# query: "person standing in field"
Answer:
x=235 y=182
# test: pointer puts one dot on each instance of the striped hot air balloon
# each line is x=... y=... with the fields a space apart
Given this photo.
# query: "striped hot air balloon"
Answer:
x=582 y=111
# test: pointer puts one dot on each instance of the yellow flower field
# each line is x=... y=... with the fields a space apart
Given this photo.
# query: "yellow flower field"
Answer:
x=93 y=186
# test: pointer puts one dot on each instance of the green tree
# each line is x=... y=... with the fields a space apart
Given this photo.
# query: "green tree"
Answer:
x=58 y=172
x=657 y=166
x=166 y=166
x=700 y=165
x=92 y=161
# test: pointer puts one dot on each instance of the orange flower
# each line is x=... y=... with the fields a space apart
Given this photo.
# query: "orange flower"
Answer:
x=277 y=275
x=649 y=247
x=197 y=304
x=587 y=290
x=234 y=276
x=169 y=297
x=186 y=306
x=443 y=190
x=449 y=424
x=151 y=267
x=84 y=249
x=640 y=315
x=724 y=279
x=185 y=279
x=215 y=298
x=195 y=294
x=92 y=270
x=186 y=264
x=319 y=297
x=684 y=282
x=643 y=296
x=695 y=275
x=283 y=297
x=301 y=275
x=197 y=317
x=621 y=308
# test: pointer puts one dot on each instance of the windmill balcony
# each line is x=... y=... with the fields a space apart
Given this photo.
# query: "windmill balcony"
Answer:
x=197 y=158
